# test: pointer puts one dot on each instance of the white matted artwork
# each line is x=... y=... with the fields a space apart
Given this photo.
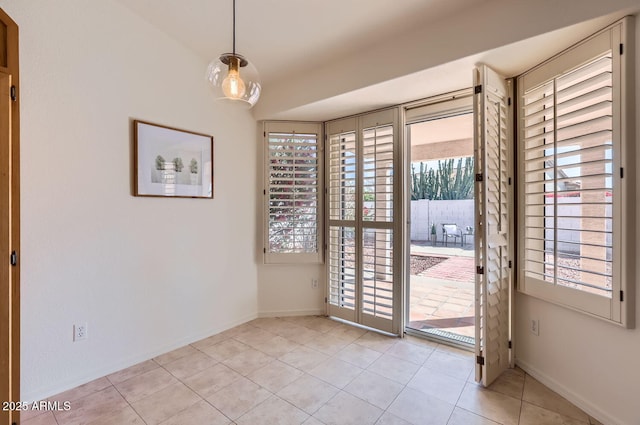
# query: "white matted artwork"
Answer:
x=172 y=163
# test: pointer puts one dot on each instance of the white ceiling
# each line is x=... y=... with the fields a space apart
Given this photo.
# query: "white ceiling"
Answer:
x=299 y=46
x=286 y=37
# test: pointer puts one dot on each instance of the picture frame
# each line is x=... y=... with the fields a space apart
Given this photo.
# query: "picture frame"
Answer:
x=171 y=163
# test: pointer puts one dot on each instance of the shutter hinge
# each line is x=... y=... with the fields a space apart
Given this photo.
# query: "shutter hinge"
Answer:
x=477 y=89
x=510 y=346
x=509 y=101
x=621 y=48
x=264 y=191
x=509 y=263
x=509 y=181
x=264 y=133
x=264 y=250
x=479 y=177
x=621 y=172
x=325 y=300
x=14 y=258
x=14 y=96
x=480 y=360
x=479 y=270
x=621 y=296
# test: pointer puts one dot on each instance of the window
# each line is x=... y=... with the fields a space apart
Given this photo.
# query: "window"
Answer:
x=293 y=200
x=572 y=187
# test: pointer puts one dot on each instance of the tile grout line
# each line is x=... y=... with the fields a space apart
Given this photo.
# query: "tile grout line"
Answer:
x=342 y=344
x=202 y=398
x=125 y=399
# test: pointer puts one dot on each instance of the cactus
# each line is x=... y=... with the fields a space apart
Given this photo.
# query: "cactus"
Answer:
x=443 y=182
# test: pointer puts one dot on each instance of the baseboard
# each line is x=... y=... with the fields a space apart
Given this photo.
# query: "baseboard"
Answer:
x=44 y=393
x=289 y=313
x=570 y=395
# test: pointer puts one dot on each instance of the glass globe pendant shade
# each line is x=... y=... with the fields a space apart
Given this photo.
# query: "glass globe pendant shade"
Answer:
x=234 y=78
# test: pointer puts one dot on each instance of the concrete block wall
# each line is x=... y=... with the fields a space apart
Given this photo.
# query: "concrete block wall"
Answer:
x=424 y=212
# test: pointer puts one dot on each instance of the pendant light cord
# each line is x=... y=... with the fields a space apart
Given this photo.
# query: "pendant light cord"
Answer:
x=234 y=27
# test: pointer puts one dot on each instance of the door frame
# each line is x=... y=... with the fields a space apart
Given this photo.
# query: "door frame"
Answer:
x=436 y=107
x=9 y=49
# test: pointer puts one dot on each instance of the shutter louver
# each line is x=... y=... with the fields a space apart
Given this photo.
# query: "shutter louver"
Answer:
x=362 y=267
x=377 y=164
x=342 y=176
x=377 y=208
x=492 y=197
x=568 y=178
x=293 y=195
x=342 y=267
x=377 y=273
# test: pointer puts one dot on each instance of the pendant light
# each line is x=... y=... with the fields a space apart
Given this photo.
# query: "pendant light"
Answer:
x=233 y=77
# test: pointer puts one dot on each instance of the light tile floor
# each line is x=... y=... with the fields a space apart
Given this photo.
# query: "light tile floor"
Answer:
x=309 y=370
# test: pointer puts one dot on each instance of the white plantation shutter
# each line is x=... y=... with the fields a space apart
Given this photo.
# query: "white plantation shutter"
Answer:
x=492 y=138
x=378 y=183
x=293 y=192
x=377 y=169
x=571 y=161
x=362 y=184
x=342 y=176
x=342 y=201
x=568 y=183
x=342 y=272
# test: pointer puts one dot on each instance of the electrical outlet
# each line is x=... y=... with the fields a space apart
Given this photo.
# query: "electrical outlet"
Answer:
x=535 y=327
x=80 y=332
x=314 y=283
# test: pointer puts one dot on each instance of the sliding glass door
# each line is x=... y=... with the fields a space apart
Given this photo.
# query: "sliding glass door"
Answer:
x=441 y=229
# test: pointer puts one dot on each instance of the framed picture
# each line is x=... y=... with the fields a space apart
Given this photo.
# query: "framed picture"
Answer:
x=172 y=163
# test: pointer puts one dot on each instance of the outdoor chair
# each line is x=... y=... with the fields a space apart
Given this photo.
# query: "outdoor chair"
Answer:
x=451 y=231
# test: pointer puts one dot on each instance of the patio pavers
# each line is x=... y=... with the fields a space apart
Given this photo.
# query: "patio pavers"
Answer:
x=458 y=269
x=442 y=296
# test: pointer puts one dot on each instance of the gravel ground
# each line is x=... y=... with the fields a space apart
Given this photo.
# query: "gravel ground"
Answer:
x=565 y=270
x=420 y=263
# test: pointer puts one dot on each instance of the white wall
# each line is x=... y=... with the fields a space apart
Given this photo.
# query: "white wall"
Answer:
x=283 y=289
x=592 y=363
x=146 y=274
